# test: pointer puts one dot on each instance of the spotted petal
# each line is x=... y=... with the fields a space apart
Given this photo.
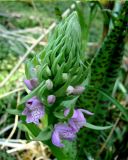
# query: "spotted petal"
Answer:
x=62 y=132
x=34 y=110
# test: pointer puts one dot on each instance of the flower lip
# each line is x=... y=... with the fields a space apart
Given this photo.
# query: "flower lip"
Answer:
x=34 y=110
x=56 y=139
x=33 y=102
x=62 y=132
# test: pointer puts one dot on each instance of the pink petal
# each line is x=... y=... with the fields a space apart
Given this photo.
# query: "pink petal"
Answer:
x=25 y=111
x=29 y=118
x=86 y=111
x=74 y=125
x=31 y=84
x=51 y=99
x=56 y=139
x=28 y=84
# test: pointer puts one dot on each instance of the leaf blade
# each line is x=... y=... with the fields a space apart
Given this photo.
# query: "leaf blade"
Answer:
x=91 y=126
x=117 y=104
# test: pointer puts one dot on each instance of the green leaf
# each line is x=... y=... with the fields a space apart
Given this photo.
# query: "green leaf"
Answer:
x=70 y=149
x=58 y=152
x=44 y=135
x=91 y=126
x=29 y=70
x=60 y=92
x=59 y=115
x=70 y=103
x=70 y=113
x=31 y=94
x=14 y=111
x=58 y=77
x=32 y=128
x=117 y=104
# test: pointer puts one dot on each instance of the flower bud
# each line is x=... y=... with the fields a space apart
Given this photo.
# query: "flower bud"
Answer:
x=65 y=76
x=49 y=84
x=75 y=90
x=31 y=84
x=51 y=99
x=70 y=90
x=78 y=90
x=48 y=71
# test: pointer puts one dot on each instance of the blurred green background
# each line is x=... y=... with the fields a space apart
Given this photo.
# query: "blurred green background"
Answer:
x=21 y=23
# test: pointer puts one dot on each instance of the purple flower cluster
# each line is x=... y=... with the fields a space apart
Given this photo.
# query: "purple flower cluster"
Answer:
x=68 y=131
x=34 y=109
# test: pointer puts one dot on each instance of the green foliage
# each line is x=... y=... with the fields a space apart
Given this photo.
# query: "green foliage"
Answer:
x=88 y=125
x=5 y=156
x=5 y=67
x=104 y=71
x=26 y=14
x=70 y=149
x=45 y=134
x=87 y=13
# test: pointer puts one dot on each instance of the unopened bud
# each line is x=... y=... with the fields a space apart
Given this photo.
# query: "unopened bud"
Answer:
x=78 y=90
x=51 y=99
x=65 y=76
x=31 y=84
x=49 y=84
x=70 y=90
x=48 y=71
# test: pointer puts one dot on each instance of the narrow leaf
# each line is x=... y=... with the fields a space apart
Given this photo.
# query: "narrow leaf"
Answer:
x=91 y=126
x=14 y=111
x=44 y=135
x=117 y=104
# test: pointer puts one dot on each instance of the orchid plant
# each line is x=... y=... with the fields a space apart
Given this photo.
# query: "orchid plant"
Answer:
x=55 y=78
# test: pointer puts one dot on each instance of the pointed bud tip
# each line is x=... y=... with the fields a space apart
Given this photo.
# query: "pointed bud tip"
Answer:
x=70 y=90
x=51 y=99
x=49 y=84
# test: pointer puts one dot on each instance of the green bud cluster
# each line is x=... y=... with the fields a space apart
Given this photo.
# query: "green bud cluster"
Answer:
x=62 y=62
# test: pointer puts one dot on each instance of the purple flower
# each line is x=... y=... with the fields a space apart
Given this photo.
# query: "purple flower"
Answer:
x=62 y=132
x=34 y=110
x=77 y=120
x=31 y=84
x=68 y=131
x=51 y=99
